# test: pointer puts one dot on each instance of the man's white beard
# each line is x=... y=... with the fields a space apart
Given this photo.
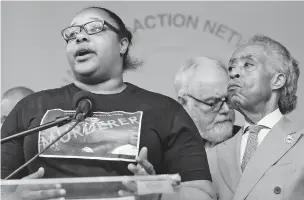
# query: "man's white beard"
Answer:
x=217 y=134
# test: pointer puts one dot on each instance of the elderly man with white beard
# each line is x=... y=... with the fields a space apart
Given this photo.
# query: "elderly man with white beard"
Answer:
x=201 y=87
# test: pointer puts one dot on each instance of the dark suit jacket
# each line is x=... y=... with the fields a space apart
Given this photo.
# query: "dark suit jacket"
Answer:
x=276 y=170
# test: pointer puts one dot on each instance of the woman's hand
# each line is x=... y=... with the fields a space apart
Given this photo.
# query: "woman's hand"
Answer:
x=39 y=191
x=144 y=167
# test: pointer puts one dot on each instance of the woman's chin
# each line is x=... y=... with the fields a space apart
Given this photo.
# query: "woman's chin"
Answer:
x=85 y=72
x=84 y=69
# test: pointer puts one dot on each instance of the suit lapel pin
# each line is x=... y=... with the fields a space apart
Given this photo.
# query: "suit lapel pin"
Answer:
x=289 y=139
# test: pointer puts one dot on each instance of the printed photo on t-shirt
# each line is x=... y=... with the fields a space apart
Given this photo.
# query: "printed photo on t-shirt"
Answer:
x=102 y=136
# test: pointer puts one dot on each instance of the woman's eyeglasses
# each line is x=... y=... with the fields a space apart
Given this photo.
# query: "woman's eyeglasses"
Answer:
x=90 y=28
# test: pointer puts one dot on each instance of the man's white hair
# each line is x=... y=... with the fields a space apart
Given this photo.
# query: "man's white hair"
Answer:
x=188 y=70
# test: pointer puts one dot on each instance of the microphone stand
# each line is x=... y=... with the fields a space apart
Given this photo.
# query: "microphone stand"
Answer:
x=59 y=121
x=78 y=120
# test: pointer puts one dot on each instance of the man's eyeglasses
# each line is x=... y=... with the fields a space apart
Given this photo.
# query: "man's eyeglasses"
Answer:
x=216 y=105
x=90 y=28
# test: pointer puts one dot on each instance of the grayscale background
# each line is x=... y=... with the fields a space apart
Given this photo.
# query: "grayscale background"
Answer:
x=166 y=34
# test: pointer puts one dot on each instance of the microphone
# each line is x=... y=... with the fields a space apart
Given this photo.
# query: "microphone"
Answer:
x=43 y=150
x=59 y=121
x=83 y=103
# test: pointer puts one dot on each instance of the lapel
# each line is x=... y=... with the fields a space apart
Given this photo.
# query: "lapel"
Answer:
x=229 y=160
x=268 y=153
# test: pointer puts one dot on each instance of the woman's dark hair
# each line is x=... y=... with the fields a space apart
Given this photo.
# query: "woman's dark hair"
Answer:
x=129 y=62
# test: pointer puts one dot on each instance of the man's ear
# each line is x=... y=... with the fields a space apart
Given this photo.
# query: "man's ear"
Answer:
x=124 y=44
x=278 y=81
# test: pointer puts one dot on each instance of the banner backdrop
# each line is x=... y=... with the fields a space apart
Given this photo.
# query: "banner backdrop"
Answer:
x=165 y=35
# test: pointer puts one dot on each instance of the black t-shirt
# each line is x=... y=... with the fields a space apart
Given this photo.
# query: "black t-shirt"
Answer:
x=173 y=142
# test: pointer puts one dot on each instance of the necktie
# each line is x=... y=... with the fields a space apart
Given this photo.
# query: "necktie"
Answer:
x=252 y=143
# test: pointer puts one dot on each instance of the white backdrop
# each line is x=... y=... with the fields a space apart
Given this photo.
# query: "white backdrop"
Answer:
x=166 y=34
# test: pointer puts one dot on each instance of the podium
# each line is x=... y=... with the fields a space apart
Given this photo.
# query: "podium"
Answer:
x=97 y=188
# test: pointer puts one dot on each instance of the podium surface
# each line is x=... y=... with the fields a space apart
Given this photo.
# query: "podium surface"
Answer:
x=96 y=188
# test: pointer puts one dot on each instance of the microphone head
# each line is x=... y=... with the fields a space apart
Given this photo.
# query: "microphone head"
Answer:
x=83 y=104
x=81 y=96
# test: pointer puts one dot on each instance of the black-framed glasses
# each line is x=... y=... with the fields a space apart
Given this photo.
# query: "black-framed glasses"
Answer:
x=216 y=105
x=92 y=27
